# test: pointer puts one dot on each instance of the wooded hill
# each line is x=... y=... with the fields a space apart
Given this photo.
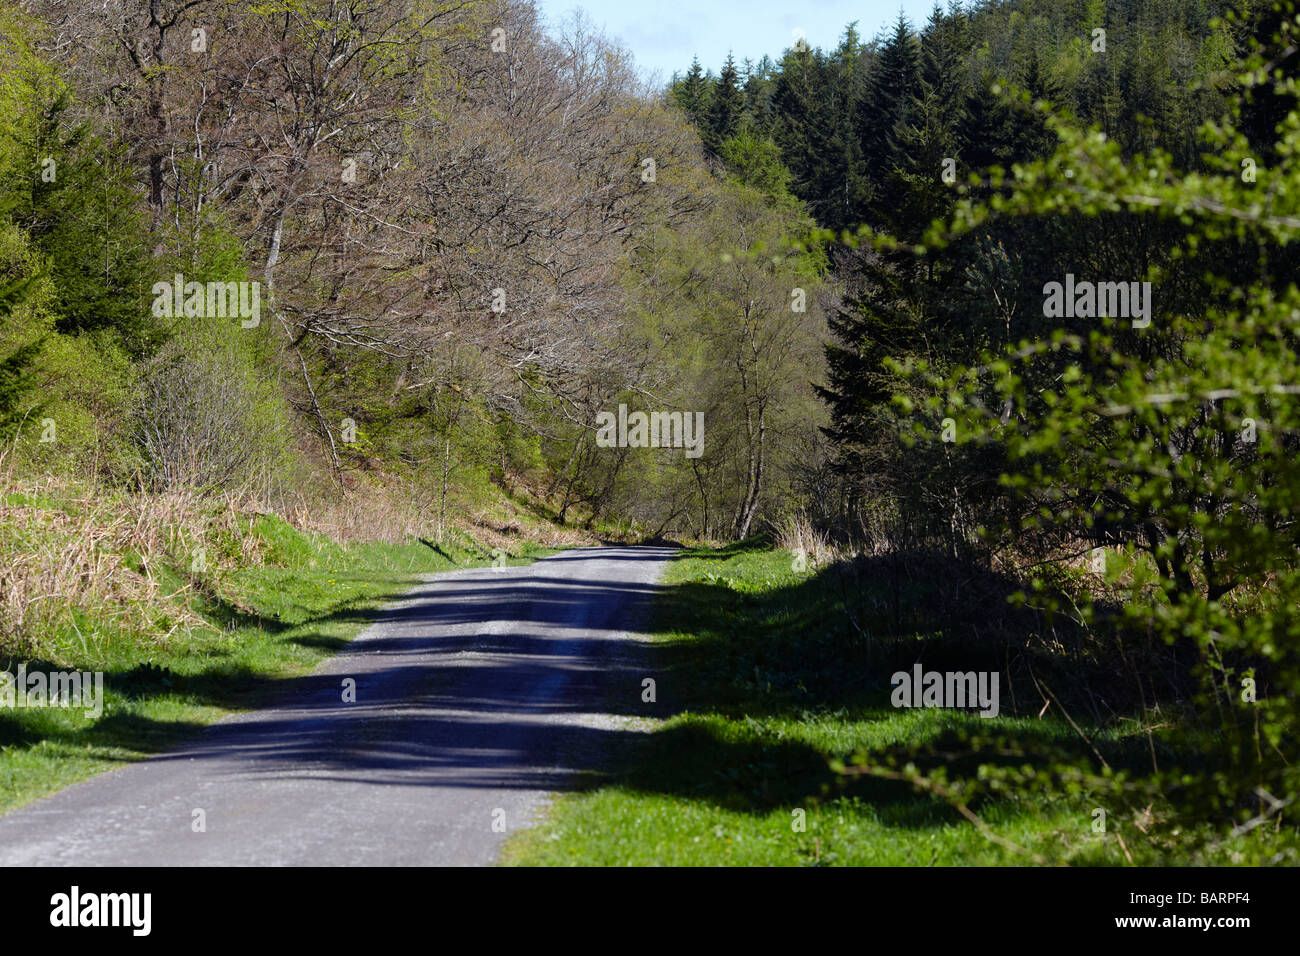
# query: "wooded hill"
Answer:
x=469 y=237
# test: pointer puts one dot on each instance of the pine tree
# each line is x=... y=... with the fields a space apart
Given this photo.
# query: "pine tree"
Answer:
x=846 y=189
x=926 y=138
x=83 y=218
x=945 y=45
x=987 y=134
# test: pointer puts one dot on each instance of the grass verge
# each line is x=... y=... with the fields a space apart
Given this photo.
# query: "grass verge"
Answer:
x=774 y=684
x=183 y=644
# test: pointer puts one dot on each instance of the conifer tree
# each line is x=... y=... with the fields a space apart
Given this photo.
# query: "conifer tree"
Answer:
x=726 y=106
x=888 y=105
x=691 y=94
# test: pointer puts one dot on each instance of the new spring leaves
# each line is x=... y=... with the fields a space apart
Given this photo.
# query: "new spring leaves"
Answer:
x=664 y=429
x=176 y=297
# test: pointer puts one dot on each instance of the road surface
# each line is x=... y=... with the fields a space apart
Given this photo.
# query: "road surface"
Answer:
x=476 y=697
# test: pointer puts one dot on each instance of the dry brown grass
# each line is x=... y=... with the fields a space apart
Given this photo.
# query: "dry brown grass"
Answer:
x=386 y=509
x=68 y=546
x=796 y=533
x=69 y=555
x=372 y=515
x=70 y=551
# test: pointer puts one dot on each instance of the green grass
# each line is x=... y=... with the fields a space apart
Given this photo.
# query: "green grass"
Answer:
x=767 y=692
x=264 y=624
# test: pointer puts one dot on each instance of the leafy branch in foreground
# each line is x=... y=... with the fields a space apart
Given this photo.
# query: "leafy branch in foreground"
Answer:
x=1169 y=446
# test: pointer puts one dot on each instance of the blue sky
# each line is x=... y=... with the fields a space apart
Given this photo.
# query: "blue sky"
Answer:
x=664 y=34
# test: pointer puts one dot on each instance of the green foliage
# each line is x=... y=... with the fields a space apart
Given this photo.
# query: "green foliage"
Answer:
x=71 y=237
x=71 y=195
x=776 y=696
x=208 y=417
x=1170 y=443
x=756 y=163
x=728 y=310
x=16 y=379
x=210 y=412
x=17 y=375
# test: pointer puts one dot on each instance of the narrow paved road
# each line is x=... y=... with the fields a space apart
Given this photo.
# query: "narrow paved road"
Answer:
x=479 y=694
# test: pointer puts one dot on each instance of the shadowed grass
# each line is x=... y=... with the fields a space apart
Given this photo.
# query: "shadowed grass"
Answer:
x=768 y=687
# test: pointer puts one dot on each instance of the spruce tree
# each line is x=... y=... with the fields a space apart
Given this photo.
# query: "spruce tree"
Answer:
x=758 y=94
x=726 y=107
x=795 y=97
x=691 y=94
x=893 y=88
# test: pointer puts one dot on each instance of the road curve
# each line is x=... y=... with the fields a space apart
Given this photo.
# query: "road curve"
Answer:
x=478 y=695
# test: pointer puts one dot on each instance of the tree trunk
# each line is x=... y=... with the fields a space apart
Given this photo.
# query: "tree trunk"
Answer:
x=446 y=472
x=704 y=498
x=754 y=479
